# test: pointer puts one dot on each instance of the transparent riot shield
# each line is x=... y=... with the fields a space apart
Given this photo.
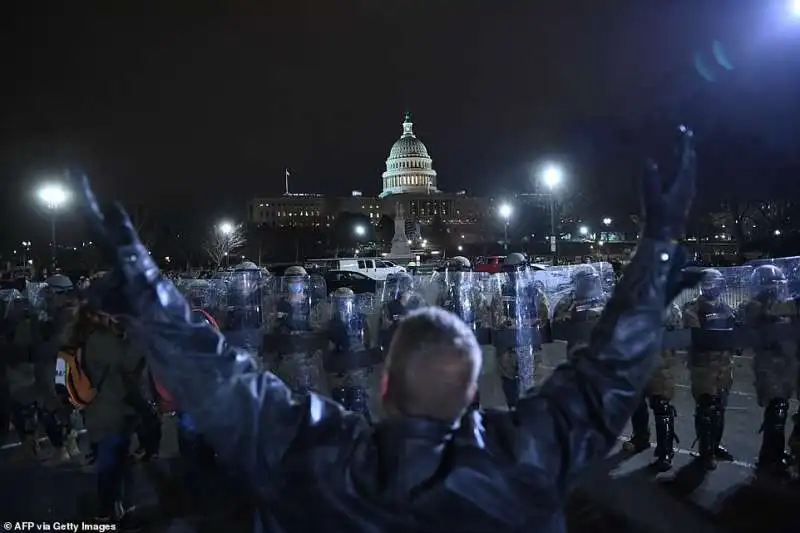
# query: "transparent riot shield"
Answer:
x=713 y=316
x=244 y=320
x=770 y=313
x=9 y=299
x=580 y=293
x=401 y=294
x=296 y=331
x=515 y=332
x=351 y=356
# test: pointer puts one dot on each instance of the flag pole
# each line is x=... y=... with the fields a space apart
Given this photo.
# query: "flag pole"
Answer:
x=287 y=181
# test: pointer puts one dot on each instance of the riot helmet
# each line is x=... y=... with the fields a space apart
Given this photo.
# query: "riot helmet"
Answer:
x=59 y=283
x=768 y=281
x=713 y=284
x=514 y=262
x=343 y=301
x=295 y=279
x=246 y=265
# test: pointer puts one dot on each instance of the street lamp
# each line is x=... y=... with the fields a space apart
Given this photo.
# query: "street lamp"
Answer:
x=53 y=196
x=607 y=221
x=583 y=230
x=361 y=231
x=505 y=213
x=226 y=228
x=777 y=232
x=552 y=176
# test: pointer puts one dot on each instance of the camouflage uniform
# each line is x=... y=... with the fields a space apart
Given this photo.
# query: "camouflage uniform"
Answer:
x=515 y=331
x=296 y=327
x=351 y=357
x=659 y=393
x=710 y=371
x=775 y=365
x=580 y=308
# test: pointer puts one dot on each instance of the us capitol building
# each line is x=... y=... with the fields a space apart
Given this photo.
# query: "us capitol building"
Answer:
x=409 y=182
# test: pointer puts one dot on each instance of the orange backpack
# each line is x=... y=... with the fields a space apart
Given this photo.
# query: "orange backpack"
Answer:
x=71 y=379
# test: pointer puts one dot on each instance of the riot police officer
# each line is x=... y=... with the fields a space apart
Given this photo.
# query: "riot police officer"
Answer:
x=244 y=323
x=459 y=293
x=774 y=363
x=659 y=393
x=577 y=312
x=297 y=330
x=710 y=367
x=515 y=327
x=351 y=356
x=398 y=298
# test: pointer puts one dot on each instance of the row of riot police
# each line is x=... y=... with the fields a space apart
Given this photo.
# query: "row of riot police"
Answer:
x=315 y=340
x=750 y=309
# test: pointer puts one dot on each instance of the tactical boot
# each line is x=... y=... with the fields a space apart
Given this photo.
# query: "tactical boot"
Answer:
x=704 y=429
x=640 y=423
x=772 y=457
x=718 y=420
x=664 y=414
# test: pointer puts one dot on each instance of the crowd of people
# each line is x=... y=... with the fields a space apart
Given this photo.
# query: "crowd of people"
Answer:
x=436 y=459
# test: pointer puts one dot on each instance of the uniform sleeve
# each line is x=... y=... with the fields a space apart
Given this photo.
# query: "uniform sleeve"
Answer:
x=574 y=418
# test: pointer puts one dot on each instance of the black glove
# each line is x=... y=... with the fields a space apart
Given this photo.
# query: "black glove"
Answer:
x=666 y=205
x=135 y=275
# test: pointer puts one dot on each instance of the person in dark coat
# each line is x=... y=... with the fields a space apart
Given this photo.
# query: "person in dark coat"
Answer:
x=431 y=464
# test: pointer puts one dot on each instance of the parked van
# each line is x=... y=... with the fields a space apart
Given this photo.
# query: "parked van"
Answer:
x=372 y=267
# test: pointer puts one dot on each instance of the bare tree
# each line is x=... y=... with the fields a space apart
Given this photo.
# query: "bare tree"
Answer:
x=220 y=244
x=144 y=225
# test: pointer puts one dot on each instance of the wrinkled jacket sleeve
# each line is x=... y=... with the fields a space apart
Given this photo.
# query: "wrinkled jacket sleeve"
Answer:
x=249 y=417
x=578 y=413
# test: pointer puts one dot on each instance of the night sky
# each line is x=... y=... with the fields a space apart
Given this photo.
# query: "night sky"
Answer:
x=203 y=104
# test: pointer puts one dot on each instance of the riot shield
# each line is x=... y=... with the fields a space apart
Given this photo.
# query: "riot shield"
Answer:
x=244 y=320
x=578 y=295
x=770 y=313
x=515 y=331
x=10 y=299
x=296 y=336
x=351 y=356
x=712 y=314
x=401 y=294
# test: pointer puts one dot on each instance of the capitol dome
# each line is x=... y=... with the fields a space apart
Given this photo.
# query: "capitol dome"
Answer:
x=409 y=168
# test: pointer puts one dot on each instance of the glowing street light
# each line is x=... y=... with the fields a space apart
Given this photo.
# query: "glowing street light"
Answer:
x=460 y=248
x=53 y=196
x=226 y=228
x=794 y=8
x=360 y=231
x=583 y=230
x=777 y=232
x=552 y=176
x=505 y=211
x=607 y=221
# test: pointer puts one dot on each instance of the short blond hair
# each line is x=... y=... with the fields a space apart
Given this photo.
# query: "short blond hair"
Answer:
x=434 y=362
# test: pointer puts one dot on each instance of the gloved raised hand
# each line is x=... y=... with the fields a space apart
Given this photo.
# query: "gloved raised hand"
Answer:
x=666 y=202
x=666 y=206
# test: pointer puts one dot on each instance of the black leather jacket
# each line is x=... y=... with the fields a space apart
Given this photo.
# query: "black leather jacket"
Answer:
x=315 y=467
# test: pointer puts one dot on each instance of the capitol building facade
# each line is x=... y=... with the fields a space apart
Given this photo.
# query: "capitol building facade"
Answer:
x=409 y=183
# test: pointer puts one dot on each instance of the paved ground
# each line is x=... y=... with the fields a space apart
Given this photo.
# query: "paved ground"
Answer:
x=621 y=495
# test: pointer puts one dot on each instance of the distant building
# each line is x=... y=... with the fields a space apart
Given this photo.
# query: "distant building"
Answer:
x=409 y=179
